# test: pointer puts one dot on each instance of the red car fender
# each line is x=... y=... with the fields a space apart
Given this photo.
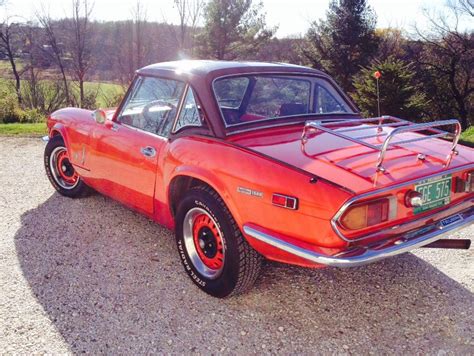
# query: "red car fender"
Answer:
x=210 y=179
x=236 y=174
x=59 y=129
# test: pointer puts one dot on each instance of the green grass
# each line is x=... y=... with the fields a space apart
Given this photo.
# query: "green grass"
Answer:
x=5 y=65
x=103 y=90
x=468 y=135
x=23 y=129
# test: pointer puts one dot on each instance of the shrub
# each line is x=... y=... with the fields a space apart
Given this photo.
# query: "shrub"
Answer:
x=32 y=116
x=43 y=96
x=399 y=94
x=10 y=111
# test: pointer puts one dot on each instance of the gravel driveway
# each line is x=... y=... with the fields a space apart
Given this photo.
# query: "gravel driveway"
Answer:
x=91 y=276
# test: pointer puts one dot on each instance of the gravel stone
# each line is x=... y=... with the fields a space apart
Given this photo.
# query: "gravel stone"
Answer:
x=90 y=276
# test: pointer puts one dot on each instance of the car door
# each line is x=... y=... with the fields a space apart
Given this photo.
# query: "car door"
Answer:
x=124 y=153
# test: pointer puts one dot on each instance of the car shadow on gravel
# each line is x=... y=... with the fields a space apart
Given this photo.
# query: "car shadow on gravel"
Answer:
x=110 y=281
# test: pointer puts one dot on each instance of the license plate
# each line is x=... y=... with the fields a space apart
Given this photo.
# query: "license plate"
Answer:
x=436 y=192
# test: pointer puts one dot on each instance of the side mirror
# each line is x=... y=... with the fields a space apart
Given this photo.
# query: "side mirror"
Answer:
x=99 y=116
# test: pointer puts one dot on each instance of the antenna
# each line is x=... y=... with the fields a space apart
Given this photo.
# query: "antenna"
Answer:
x=377 y=76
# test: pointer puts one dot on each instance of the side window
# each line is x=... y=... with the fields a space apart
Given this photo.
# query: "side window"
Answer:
x=190 y=113
x=230 y=91
x=152 y=105
x=273 y=97
x=326 y=101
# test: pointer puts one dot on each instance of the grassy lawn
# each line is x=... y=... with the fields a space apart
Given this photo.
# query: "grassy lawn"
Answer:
x=23 y=129
x=5 y=65
x=103 y=90
x=468 y=135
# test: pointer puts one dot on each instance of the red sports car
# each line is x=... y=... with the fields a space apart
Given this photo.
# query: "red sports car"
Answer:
x=248 y=161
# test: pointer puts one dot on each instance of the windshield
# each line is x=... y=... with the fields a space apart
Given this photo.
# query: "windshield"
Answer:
x=250 y=98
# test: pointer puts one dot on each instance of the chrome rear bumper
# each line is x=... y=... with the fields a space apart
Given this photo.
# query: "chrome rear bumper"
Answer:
x=364 y=255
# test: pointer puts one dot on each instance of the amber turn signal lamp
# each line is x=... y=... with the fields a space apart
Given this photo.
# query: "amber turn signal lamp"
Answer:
x=366 y=214
x=413 y=199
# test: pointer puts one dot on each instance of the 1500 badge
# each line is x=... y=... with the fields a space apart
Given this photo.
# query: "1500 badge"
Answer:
x=247 y=191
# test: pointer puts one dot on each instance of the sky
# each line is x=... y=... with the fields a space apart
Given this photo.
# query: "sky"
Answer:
x=292 y=17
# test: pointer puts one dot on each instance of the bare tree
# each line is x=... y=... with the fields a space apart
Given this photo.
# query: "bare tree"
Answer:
x=79 y=43
x=139 y=24
x=55 y=50
x=189 y=12
x=463 y=6
x=449 y=54
x=133 y=49
x=10 y=33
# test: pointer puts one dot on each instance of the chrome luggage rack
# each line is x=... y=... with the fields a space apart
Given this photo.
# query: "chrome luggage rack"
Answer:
x=399 y=125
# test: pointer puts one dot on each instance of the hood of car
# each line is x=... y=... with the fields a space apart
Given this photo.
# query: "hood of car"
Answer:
x=353 y=165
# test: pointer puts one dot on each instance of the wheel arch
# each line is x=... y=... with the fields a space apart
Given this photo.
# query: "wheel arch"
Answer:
x=60 y=130
x=185 y=179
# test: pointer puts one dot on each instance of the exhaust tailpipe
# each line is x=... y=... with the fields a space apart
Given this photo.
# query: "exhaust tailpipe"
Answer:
x=460 y=244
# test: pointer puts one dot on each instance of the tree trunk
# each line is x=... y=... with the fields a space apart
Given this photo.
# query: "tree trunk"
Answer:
x=16 y=74
x=66 y=87
x=81 y=92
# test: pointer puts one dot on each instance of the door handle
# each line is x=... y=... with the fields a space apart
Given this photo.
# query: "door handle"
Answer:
x=148 y=151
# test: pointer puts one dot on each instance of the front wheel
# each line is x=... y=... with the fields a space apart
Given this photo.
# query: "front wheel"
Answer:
x=212 y=249
x=60 y=170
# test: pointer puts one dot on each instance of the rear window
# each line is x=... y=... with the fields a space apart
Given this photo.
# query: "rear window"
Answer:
x=230 y=92
x=250 y=98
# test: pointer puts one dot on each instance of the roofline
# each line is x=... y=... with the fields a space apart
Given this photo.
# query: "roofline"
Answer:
x=211 y=68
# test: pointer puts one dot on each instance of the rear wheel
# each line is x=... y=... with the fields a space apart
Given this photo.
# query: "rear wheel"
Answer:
x=212 y=249
x=60 y=171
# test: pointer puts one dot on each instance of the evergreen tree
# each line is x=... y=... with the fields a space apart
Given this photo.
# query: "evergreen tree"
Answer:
x=233 y=29
x=399 y=95
x=343 y=42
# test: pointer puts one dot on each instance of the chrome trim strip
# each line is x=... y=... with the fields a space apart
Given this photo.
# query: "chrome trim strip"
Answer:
x=369 y=255
x=381 y=191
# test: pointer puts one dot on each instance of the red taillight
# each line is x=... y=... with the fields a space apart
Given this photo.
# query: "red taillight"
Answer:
x=377 y=212
x=285 y=201
x=368 y=214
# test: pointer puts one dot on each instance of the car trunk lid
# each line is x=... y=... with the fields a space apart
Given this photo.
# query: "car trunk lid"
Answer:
x=353 y=165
